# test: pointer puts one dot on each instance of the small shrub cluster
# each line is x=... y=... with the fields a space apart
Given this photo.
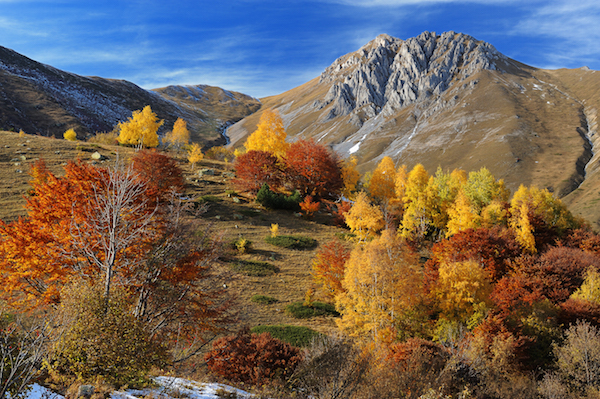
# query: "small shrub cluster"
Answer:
x=241 y=245
x=292 y=242
x=294 y=335
x=104 y=340
x=270 y=199
x=264 y=300
x=252 y=358
x=300 y=310
x=255 y=268
x=108 y=138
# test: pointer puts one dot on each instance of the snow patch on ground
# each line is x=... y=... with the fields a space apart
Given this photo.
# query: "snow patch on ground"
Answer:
x=169 y=388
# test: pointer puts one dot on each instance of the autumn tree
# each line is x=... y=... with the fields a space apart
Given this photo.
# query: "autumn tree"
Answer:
x=350 y=177
x=461 y=215
x=269 y=135
x=538 y=212
x=179 y=136
x=70 y=135
x=161 y=174
x=99 y=224
x=382 y=186
x=255 y=168
x=482 y=188
x=364 y=219
x=417 y=217
x=141 y=129
x=195 y=154
x=313 y=169
x=328 y=267
x=461 y=286
x=382 y=288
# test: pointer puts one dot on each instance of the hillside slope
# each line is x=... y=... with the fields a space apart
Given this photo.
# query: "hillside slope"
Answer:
x=41 y=99
x=446 y=100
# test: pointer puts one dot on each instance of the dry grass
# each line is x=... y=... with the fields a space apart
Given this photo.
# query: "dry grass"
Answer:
x=228 y=217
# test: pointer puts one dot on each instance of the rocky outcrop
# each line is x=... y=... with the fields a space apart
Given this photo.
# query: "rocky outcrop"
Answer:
x=388 y=73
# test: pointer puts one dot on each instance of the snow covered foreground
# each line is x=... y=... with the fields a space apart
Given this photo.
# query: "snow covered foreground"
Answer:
x=169 y=388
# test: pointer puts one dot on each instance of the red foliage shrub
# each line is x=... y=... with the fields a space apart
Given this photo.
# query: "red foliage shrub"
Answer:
x=584 y=239
x=160 y=172
x=313 y=170
x=339 y=210
x=577 y=309
x=415 y=352
x=493 y=248
x=329 y=266
x=252 y=358
x=554 y=275
x=309 y=207
x=255 y=168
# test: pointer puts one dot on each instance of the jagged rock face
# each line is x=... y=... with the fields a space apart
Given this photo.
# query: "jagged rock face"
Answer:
x=387 y=74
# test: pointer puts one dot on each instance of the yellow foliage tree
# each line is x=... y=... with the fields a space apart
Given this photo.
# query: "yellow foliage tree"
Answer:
x=195 y=154
x=140 y=129
x=521 y=224
x=179 y=136
x=269 y=135
x=482 y=188
x=382 y=185
x=400 y=183
x=417 y=205
x=590 y=289
x=460 y=286
x=461 y=215
x=364 y=219
x=70 y=135
x=350 y=176
x=382 y=286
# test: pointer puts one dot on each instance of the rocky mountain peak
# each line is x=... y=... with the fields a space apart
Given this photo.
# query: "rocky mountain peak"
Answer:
x=388 y=73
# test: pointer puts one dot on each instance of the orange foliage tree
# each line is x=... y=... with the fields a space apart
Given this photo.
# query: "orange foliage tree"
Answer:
x=328 y=267
x=255 y=168
x=312 y=169
x=100 y=224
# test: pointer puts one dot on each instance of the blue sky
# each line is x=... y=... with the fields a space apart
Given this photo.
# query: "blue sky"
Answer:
x=267 y=47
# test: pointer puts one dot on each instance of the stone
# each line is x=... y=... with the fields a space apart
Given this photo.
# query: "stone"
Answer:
x=96 y=155
x=388 y=74
x=85 y=391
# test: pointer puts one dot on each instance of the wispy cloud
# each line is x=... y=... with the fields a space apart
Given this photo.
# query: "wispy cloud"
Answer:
x=571 y=30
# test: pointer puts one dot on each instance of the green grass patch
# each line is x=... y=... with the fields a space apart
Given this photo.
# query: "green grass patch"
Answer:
x=293 y=335
x=254 y=268
x=300 y=311
x=249 y=212
x=346 y=236
x=292 y=242
x=208 y=198
x=263 y=299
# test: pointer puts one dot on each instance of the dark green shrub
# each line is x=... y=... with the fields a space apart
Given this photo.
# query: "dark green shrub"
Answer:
x=263 y=299
x=293 y=335
x=255 y=268
x=273 y=200
x=292 y=242
x=300 y=311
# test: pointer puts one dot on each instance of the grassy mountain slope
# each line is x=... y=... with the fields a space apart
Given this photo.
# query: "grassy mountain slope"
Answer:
x=227 y=217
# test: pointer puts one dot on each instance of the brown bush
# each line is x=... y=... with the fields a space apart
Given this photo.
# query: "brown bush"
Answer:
x=252 y=358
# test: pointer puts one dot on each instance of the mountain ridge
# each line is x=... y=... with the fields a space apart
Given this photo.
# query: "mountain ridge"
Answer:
x=449 y=101
x=39 y=98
